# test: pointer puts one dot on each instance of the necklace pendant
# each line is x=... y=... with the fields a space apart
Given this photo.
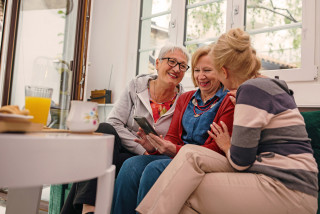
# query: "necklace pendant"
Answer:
x=194 y=102
x=196 y=115
x=213 y=105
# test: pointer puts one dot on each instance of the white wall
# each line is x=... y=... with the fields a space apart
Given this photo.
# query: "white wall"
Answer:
x=114 y=40
x=113 y=43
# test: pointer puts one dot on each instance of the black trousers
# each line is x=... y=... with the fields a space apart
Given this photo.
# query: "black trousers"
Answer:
x=85 y=192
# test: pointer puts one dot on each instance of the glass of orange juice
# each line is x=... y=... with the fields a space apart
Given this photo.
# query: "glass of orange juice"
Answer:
x=38 y=100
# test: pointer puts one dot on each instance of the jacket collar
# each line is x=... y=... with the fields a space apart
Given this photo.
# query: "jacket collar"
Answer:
x=143 y=93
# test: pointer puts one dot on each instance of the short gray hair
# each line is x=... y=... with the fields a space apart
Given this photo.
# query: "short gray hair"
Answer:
x=171 y=48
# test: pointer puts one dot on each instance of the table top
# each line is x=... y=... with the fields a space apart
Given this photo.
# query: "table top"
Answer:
x=51 y=158
x=52 y=135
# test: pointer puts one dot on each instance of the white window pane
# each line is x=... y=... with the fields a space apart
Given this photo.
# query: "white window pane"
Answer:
x=195 y=1
x=276 y=32
x=206 y=21
x=147 y=62
x=155 y=6
x=263 y=14
x=279 y=49
x=154 y=32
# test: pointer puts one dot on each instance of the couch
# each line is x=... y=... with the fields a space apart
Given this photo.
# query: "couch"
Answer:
x=58 y=193
x=312 y=120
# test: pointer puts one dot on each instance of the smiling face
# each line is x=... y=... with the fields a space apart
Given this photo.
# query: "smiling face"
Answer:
x=205 y=76
x=168 y=74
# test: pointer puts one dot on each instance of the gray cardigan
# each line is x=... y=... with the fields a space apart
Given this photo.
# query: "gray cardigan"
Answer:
x=135 y=101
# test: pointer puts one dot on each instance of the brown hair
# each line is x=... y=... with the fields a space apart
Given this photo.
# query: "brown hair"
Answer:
x=202 y=51
x=234 y=52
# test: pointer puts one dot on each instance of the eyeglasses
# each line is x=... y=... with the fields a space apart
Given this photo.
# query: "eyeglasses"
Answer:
x=173 y=63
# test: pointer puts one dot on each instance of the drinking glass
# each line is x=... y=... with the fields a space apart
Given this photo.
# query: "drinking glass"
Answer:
x=38 y=100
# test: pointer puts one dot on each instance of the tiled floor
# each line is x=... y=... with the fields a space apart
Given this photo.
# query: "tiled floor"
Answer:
x=45 y=196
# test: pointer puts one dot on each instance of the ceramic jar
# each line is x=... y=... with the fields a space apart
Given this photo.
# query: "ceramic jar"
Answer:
x=83 y=116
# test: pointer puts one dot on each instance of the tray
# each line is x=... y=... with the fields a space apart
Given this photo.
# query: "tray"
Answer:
x=20 y=126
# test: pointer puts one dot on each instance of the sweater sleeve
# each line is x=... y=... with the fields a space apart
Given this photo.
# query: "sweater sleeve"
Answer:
x=248 y=123
x=119 y=118
x=175 y=129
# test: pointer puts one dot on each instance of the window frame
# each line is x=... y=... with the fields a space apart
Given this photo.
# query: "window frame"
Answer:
x=176 y=36
x=78 y=65
x=308 y=70
x=11 y=17
x=151 y=48
x=236 y=18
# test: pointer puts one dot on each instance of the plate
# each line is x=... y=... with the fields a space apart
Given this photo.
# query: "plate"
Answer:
x=15 y=116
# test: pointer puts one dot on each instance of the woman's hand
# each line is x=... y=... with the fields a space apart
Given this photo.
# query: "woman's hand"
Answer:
x=163 y=146
x=221 y=136
x=233 y=96
x=143 y=141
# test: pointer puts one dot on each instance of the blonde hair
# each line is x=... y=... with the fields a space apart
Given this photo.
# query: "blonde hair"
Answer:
x=234 y=52
x=202 y=51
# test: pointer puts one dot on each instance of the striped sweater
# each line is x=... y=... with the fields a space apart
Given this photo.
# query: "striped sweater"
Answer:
x=269 y=136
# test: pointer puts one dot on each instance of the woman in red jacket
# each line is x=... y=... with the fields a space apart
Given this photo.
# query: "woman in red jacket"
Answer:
x=194 y=112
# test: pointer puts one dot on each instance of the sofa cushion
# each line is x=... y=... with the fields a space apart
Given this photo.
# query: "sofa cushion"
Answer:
x=312 y=120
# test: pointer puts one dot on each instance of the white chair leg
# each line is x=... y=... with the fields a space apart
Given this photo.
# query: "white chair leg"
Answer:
x=23 y=200
x=105 y=191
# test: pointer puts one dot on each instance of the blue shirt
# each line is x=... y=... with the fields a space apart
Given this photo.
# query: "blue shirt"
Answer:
x=195 y=128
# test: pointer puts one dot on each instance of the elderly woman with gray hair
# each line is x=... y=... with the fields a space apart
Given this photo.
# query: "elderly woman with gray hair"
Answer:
x=151 y=96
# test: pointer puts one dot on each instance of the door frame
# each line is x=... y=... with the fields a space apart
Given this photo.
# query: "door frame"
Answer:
x=78 y=64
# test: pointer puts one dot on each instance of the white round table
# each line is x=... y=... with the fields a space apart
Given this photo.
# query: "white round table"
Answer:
x=27 y=161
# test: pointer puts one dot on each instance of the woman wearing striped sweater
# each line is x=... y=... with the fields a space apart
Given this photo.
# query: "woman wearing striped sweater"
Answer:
x=269 y=167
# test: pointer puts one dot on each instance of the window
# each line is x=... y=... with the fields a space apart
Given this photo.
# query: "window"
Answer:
x=154 y=32
x=205 y=22
x=283 y=32
x=44 y=44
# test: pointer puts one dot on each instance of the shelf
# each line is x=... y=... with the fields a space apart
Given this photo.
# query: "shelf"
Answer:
x=107 y=104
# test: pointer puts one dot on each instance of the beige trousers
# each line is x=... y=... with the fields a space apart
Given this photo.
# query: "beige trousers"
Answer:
x=199 y=180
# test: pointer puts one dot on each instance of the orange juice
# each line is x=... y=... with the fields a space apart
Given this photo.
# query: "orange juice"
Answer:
x=39 y=108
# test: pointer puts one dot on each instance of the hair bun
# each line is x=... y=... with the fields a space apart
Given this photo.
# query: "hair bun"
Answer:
x=238 y=40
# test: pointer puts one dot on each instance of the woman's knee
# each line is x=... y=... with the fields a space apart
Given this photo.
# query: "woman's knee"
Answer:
x=188 y=148
x=195 y=150
x=157 y=166
x=133 y=167
x=128 y=164
x=152 y=172
x=127 y=175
